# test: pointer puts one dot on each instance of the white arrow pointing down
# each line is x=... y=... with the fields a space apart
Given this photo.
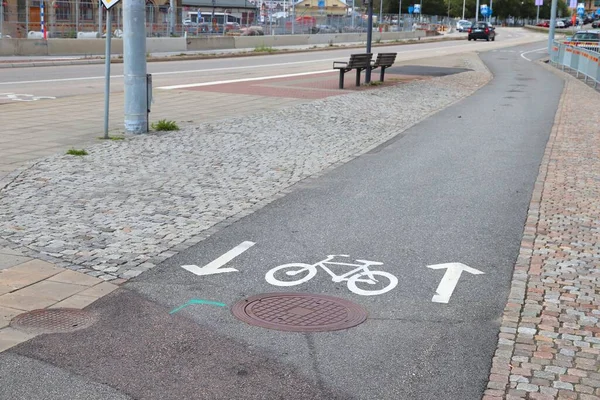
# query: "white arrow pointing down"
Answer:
x=450 y=280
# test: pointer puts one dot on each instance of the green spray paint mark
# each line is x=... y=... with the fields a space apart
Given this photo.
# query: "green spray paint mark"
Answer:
x=198 y=301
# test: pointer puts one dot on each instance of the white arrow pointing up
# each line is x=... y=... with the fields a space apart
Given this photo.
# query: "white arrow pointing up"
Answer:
x=214 y=267
x=450 y=280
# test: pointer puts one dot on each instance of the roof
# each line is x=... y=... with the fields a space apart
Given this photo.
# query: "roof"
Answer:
x=219 y=3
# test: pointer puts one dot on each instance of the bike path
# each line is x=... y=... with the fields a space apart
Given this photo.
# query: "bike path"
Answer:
x=452 y=189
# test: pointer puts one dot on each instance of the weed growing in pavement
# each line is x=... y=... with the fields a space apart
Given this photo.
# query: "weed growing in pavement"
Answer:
x=378 y=40
x=373 y=83
x=164 y=125
x=112 y=138
x=264 y=49
x=75 y=152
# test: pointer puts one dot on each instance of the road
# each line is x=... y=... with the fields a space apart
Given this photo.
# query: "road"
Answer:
x=76 y=80
x=454 y=188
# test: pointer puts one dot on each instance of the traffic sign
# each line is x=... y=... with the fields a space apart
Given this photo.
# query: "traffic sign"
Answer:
x=483 y=9
x=573 y=4
x=580 y=9
x=417 y=9
x=108 y=4
x=411 y=9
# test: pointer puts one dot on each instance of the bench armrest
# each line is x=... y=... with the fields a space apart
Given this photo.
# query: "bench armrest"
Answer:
x=340 y=64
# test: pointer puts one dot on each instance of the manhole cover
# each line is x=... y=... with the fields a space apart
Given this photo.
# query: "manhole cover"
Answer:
x=53 y=320
x=299 y=312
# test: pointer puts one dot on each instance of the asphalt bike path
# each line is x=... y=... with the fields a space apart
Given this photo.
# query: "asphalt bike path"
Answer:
x=427 y=228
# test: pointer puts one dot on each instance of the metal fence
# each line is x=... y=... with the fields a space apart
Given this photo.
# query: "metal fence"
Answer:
x=84 y=19
x=580 y=59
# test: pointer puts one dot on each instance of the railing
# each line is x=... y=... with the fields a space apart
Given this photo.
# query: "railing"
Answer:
x=578 y=57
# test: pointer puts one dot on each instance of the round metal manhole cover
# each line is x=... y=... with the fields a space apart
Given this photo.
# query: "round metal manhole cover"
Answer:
x=299 y=312
x=53 y=320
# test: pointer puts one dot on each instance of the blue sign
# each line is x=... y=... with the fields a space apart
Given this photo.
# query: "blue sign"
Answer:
x=598 y=11
x=580 y=9
x=411 y=9
x=483 y=9
x=417 y=9
x=321 y=3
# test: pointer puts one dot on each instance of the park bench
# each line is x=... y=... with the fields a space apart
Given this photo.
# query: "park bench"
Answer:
x=383 y=61
x=359 y=62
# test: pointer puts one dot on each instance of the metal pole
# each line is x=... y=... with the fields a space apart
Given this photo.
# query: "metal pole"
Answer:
x=107 y=71
x=369 y=37
x=380 y=13
x=464 y=4
x=537 y=17
x=294 y=15
x=26 y=17
x=76 y=17
x=552 y=24
x=421 y=12
x=99 y=18
x=477 y=12
x=399 y=14
x=353 y=7
x=172 y=17
x=489 y=12
x=134 y=57
x=42 y=19
x=1 y=18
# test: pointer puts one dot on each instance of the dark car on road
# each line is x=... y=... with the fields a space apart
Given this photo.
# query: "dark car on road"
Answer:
x=482 y=30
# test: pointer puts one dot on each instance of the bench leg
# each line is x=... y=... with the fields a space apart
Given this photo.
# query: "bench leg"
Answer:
x=381 y=74
x=358 y=76
x=341 y=85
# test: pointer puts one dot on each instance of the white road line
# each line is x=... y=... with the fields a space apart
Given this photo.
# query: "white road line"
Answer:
x=193 y=71
x=531 y=51
x=260 y=78
x=214 y=267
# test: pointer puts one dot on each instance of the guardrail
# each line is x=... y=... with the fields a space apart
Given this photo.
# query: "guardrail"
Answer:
x=581 y=58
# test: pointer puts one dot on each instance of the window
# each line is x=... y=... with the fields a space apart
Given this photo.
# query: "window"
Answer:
x=63 y=11
x=86 y=10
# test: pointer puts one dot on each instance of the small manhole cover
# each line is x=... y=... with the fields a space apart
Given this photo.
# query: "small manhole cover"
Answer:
x=53 y=320
x=299 y=312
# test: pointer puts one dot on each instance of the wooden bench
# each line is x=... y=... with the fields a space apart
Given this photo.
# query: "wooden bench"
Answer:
x=359 y=62
x=383 y=61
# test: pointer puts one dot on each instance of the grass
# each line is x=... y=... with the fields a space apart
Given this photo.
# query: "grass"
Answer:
x=164 y=125
x=373 y=83
x=75 y=152
x=112 y=138
x=264 y=49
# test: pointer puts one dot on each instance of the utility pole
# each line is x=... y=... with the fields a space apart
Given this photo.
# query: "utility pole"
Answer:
x=369 y=36
x=477 y=12
x=380 y=13
x=464 y=4
x=100 y=11
x=552 y=25
x=172 y=17
x=400 y=15
x=134 y=63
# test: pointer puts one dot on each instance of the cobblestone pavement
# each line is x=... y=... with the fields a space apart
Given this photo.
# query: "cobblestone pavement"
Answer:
x=129 y=205
x=549 y=345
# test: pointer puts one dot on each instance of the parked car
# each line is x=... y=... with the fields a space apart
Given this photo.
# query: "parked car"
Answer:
x=560 y=24
x=482 y=30
x=544 y=24
x=596 y=24
x=463 y=26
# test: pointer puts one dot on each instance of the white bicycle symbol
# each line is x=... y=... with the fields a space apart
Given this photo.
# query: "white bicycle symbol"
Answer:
x=361 y=274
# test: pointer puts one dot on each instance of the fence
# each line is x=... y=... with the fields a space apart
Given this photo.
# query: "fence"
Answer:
x=85 y=19
x=581 y=59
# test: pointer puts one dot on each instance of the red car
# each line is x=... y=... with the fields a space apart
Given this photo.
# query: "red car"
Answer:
x=544 y=24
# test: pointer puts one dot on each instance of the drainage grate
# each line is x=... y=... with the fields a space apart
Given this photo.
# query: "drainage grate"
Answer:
x=53 y=320
x=299 y=312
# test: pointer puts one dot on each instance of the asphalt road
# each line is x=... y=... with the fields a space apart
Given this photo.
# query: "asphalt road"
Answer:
x=74 y=80
x=454 y=188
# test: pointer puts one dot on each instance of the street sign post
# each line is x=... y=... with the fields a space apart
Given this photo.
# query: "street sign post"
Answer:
x=134 y=66
x=538 y=3
x=108 y=4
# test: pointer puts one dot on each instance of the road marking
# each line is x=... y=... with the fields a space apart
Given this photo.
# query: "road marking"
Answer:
x=260 y=78
x=532 y=51
x=450 y=280
x=197 y=301
x=23 y=97
x=297 y=273
x=192 y=71
x=214 y=267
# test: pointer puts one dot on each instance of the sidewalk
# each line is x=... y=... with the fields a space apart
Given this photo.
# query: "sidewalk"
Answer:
x=549 y=345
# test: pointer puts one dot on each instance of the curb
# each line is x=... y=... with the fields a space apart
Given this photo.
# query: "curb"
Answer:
x=99 y=60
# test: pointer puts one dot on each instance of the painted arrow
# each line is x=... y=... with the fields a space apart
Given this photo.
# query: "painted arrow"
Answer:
x=450 y=280
x=214 y=267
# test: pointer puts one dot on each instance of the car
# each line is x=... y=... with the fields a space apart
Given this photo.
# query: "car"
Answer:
x=560 y=24
x=482 y=30
x=544 y=24
x=586 y=36
x=463 y=26
x=596 y=24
